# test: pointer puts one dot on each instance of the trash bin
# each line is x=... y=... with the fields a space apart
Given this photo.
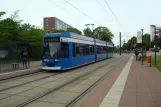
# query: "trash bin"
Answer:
x=148 y=59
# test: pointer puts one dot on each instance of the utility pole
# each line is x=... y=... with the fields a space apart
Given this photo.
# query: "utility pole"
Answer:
x=142 y=45
x=94 y=40
x=155 y=44
x=120 y=43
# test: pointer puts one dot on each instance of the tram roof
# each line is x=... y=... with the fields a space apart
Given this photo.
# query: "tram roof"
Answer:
x=75 y=36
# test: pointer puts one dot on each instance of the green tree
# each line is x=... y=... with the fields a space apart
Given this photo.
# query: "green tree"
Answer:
x=9 y=29
x=103 y=33
x=30 y=33
x=15 y=15
x=88 y=32
x=2 y=13
x=146 y=40
x=131 y=43
x=124 y=46
x=74 y=30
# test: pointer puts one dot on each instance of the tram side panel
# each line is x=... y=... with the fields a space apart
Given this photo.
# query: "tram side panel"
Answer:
x=110 y=52
x=101 y=53
x=82 y=54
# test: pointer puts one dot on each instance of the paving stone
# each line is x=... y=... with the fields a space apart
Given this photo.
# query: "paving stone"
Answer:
x=79 y=88
x=51 y=85
x=2 y=96
x=15 y=90
x=45 y=104
x=4 y=87
x=60 y=97
x=108 y=105
x=111 y=99
x=127 y=101
x=94 y=77
x=34 y=84
x=145 y=103
x=88 y=82
x=144 y=97
x=13 y=101
x=127 y=106
x=34 y=92
x=156 y=97
x=13 y=83
x=30 y=78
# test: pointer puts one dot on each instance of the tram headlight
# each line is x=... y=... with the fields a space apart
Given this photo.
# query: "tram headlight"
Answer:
x=56 y=60
x=46 y=60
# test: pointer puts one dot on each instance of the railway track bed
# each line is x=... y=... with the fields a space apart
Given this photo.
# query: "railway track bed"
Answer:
x=59 y=91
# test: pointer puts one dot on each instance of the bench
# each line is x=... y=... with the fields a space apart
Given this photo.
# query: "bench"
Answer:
x=15 y=65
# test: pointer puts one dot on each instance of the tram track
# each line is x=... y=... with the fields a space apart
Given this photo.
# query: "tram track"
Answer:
x=29 y=82
x=34 y=80
x=65 y=84
x=74 y=101
x=21 y=76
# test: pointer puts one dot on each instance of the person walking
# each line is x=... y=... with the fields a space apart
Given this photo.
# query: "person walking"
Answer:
x=25 y=57
x=136 y=54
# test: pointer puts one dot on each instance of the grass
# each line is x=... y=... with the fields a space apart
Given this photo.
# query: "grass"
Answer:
x=158 y=62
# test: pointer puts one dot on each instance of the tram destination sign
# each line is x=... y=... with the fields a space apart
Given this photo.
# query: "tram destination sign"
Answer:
x=52 y=39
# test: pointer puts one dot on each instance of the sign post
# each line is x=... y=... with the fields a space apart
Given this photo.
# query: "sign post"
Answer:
x=142 y=45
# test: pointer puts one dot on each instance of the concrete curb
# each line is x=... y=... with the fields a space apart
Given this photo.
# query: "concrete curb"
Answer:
x=19 y=73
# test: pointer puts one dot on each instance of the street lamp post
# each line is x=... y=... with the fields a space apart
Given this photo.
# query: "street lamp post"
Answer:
x=120 y=43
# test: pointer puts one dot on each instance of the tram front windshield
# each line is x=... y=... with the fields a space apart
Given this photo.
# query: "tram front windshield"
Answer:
x=51 y=49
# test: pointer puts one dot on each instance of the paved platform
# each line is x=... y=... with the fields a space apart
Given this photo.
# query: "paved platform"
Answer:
x=9 y=73
x=130 y=85
x=9 y=68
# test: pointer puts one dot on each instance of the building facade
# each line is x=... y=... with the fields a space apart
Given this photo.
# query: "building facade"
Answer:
x=53 y=23
x=152 y=29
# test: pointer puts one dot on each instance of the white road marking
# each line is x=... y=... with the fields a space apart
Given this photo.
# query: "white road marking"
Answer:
x=112 y=98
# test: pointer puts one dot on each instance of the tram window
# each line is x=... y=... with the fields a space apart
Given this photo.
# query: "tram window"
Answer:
x=98 y=49
x=83 y=49
x=64 y=52
x=104 y=50
x=91 y=49
x=108 y=49
x=87 y=50
x=77 y=47
x=74 y=50
x=101 y=49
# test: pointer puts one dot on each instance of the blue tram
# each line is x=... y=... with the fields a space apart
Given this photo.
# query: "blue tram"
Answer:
x=68 y=50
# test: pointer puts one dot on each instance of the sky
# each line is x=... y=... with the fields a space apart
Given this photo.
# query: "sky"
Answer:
x=132 y=15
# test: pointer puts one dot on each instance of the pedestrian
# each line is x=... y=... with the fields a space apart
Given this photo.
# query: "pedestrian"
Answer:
x=25 y=57
x=136 y=54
